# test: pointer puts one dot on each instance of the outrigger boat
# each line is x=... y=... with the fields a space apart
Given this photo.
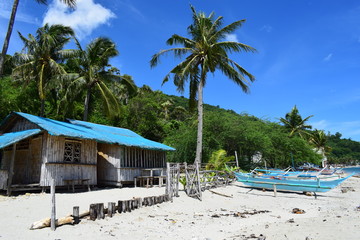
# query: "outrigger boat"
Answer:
x=288 y=183
x=303 y=174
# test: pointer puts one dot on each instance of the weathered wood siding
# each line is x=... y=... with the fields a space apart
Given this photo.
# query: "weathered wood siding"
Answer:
x=53 y=165
x=118 y=164
x=27 y=163
x=108 y=168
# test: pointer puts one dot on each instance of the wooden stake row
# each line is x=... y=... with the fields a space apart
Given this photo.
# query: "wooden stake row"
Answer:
x=97 y=210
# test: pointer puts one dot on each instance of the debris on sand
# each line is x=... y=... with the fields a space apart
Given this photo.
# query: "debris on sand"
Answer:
x=239 y=214
x=298 y=211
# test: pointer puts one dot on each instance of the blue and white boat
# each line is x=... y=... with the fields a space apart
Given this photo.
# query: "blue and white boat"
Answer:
x=288 y=183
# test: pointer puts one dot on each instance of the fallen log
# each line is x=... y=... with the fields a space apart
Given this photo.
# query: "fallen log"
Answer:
x=46 y=222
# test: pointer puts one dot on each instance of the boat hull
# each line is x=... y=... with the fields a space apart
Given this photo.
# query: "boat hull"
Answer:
x=282 y=183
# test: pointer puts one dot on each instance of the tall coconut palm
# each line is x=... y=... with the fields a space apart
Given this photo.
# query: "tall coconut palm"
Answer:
x=319 y=140
x=41 y=56
x=295 y=123
x=206 y=51
x=92 y=65
x=70 y=3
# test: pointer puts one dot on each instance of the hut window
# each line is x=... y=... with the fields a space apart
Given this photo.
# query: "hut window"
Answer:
x=72 y=151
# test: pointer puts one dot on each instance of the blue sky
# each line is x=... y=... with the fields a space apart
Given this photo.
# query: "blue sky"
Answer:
x=308 y=51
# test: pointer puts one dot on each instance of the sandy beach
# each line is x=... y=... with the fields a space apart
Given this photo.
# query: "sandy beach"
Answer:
x=254 y=214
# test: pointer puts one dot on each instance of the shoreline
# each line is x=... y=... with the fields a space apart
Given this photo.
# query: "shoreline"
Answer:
x=249 y=213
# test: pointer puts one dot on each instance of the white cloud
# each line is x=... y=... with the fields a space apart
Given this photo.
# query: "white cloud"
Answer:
x=328 y=57
x=231 y=38
x=266 y=28
x=84 y=19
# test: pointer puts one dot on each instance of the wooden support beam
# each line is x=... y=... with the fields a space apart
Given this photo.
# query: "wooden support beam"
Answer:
x=11 y=169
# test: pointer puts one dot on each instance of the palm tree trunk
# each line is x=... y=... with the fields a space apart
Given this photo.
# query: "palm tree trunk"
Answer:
x=8 y=35
x=42 y=109
x=86 y=104
x=200 y=122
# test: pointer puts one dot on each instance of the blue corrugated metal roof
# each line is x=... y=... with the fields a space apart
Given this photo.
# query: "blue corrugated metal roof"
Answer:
x=10 y=138
x=92 y=131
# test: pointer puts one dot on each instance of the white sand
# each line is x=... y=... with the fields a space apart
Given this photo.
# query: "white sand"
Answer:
x=333 y=215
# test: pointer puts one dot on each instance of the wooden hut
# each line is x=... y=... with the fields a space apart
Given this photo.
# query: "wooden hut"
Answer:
x=35 y=150
x=127 y=156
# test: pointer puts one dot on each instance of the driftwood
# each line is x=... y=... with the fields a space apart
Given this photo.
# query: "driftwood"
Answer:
x=47 y=221
x=221 y=194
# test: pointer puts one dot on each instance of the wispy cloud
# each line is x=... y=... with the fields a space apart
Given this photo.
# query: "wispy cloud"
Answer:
x=84 y=19
x=266 y=28
x=328 y=57
x=132 y=9
x=322 y=124
x=231 y=38
x=349 y=129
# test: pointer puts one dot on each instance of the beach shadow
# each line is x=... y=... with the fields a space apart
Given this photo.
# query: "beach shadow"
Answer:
x=291 y=194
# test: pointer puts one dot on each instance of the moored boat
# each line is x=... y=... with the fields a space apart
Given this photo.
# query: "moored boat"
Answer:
x=288 y=184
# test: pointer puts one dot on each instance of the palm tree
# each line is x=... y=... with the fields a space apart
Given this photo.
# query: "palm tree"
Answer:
x=295 y=124
x=319 y=140
x=92 y=65
x=70 y=3
x=166 y=105
x=125 y=88
x=206 y=52
x=41 y=55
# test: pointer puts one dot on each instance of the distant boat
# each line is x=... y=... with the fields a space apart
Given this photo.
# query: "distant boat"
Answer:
x=288 y=183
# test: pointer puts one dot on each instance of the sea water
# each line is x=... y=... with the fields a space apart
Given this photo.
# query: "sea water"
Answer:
x=350 y=170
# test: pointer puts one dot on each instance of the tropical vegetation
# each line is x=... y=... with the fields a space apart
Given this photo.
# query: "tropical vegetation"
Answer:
x=45 y=78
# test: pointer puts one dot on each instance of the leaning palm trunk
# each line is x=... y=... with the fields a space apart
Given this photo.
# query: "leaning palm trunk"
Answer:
x=200 y=124
x=8 y=35
x=86 y=104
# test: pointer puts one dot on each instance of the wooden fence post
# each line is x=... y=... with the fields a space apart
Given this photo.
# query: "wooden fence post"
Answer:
x=100 y=211
x=111 y=209
x=92 y=211
x=53 y=207
x=76 y=214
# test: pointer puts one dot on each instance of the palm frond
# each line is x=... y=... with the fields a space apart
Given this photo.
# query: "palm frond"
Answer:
x=178 y=52
x=220 y=34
